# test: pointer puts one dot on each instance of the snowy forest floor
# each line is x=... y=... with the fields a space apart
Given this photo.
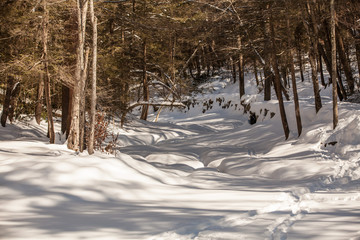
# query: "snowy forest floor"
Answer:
x=191 y=175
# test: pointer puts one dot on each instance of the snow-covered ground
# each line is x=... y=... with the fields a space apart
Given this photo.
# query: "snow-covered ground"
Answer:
x=191 y=175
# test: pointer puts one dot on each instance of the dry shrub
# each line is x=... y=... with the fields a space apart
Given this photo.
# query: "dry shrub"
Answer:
x=102 y=134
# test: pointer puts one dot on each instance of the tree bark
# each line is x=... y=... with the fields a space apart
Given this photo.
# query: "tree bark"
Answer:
x=268 y=75
x=293 y=80
x=300 y=64
x=313 y=38
x=145 y=108
x=340 y=90
x=65 y=110
x=6 y=105
x=73 y=139
x=83 y=102
x=333 y=60
x=233 y=69
x=277 y=81
x=40 y=96
x=321 y=70
x=241 y=69
x=13 y=101
x=198 y=66
x=357 y=47
x=256 y=73
x=345 y=63
x=51 y=130
x=315 y=81
x=93 y=82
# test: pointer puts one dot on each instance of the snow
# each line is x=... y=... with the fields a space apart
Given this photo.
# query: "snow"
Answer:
x=191 y=175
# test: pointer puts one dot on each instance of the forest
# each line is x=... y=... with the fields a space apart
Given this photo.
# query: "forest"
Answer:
x=82 y=59
x=180 y=119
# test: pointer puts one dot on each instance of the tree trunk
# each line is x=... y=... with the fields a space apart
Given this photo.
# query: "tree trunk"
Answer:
x=145 y=108
x=277 y=82
x=340 y=90
x=256 y=73
x=300 y=64
x=267 y=69
x=326 y=53
x=39 y=102
x=51 y=130
x=357 y=47
x=315 y=80
x=93 y=82
x=293 y=80
x=172 y=61
x=73 y=139
x=6 y=105
x=321 y=70
x=333 y=60
x=83 y=101
x=64 y=107
x=233 y=69
x=13 y=101
x=313 y=38
x=340 y=81
x=241 y=69
x=284 y=76
x=198 y=66
x=345 y=63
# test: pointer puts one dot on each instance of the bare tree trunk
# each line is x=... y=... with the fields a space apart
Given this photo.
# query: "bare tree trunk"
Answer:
x=73 y=139
x=256 y=72
x=283 y=74
x=277 y=82
x=333 y=61
x=13 y=101
x=233 y=69
x=344 y=61
x=326 y=53
x=83 y=101
x=300 y=64
x=315 y=81
x=145 y=108
x=65 y=103
x=321 y=70
x=267 y=69
x=6 y=104
x=172 y=60
x=198 y=66
x=40 y=96
x=93 y=82
x=313 y=37
x=293 y=80
x=69 y=117
x=340 y=81
x=241 y=69
x=340 y=90
x=357 y=47
x=47 y=75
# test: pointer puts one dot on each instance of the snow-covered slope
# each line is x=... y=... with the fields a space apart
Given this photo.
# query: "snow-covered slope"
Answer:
x=191 y=175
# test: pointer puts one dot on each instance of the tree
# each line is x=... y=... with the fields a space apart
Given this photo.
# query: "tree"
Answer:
x=333 y=61
x=277 y=82
x=313 y=54
x=74 y=135
x=93 y=85
x=293 y=78
x=46 y=75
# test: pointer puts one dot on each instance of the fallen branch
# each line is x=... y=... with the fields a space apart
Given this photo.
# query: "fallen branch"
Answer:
x=161 y=104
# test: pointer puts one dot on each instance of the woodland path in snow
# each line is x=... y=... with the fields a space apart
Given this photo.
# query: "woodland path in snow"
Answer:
x=300 y=193
x=190 y=176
